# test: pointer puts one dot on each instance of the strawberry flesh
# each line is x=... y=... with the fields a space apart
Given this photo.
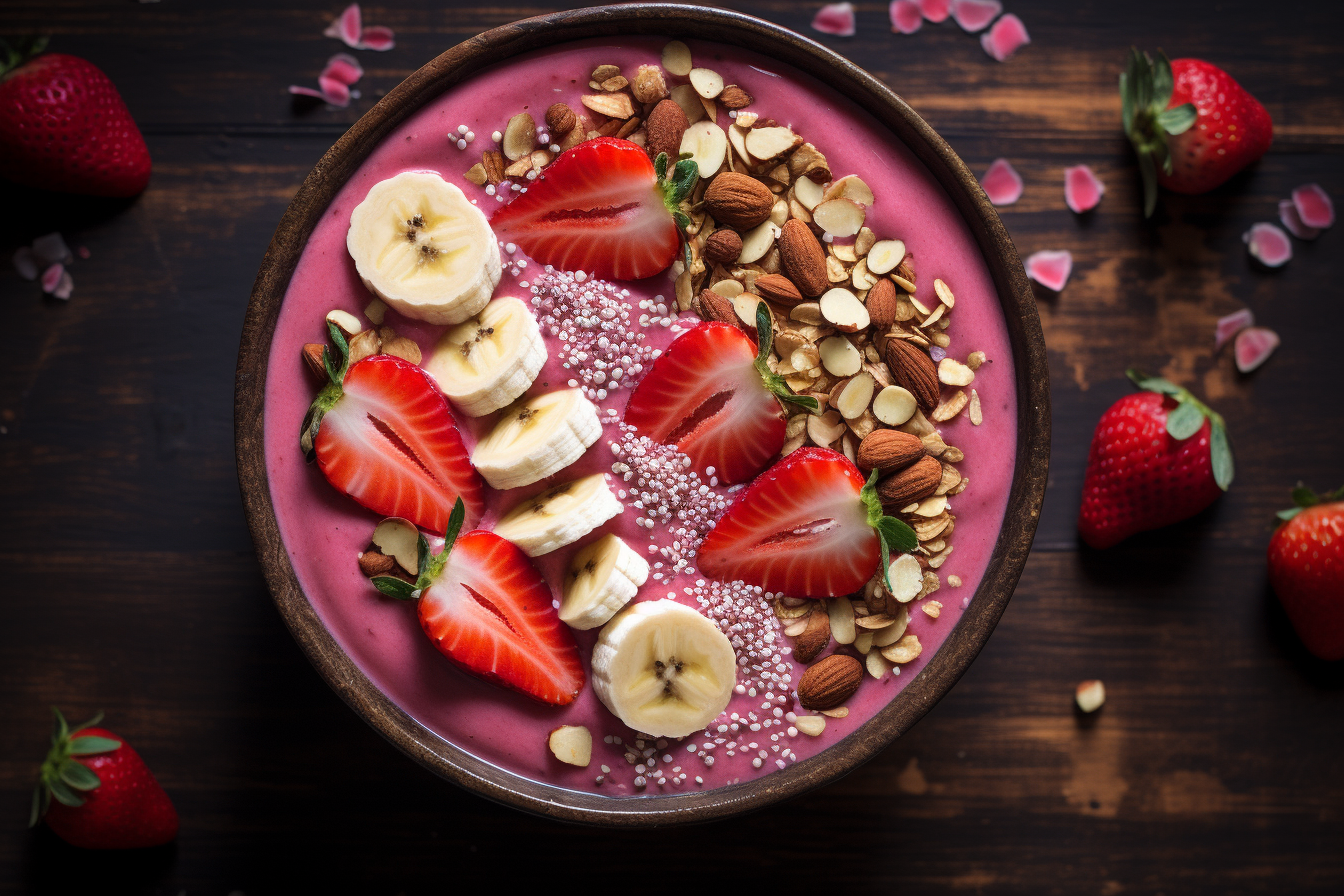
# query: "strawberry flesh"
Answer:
x=597 y=208
x=491 y=613
x=706 y=396
x=800 y=529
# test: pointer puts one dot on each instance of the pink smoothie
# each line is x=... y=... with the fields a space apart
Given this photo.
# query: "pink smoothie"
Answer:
x=324 y=531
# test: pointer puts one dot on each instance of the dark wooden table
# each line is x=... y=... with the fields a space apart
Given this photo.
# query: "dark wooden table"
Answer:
x=130 y=583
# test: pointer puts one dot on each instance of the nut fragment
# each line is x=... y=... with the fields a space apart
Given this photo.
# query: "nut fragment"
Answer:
x=400 y=540
x=403 y=348
x=906 y=578
x=855 y=396
x=765 y=144
x=949 y=407
x=476 y=175
x=974 y=411
x=649 y=85
x=815 y=636
x=734 y=97
x=493 y=162
x=312 y=356
x=807 y=162
x=829 y=682
x=1090 y=695
x=894 y=405
x=375 y=563
x=808 y=193
x=812 y=726
x=612 y=105
x=839 y=217
x=851 y=187
x=690 y=102
x=825 y=429
x=954 y=373
x=975 y=359
x=707 y=145
x=520 y=137
x=756 y=242
x=677 y=58
x=905 y=650
x=885 y=256
x=841 y=613
x=665 y=126
x=944 y=293
x=363 y=345
x=839 y=356
x=844 y=311
x=572 y=745
x=707 y=82
x=344 y=321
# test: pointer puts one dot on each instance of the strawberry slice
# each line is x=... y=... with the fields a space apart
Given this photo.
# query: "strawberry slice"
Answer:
x=712 y=395
x=487 y=608
x=383 y=434
x=602 y=208
x=807 y=527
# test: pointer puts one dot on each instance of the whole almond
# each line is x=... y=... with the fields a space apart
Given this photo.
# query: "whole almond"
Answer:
x=665 y=126
x=723 y=247
x=912 y=368
x=814 y=638
x=375 y=563
x=804 y=261
x=560 y=120
x=714 y=307
x=778 y=288
x=739 y=201
x=887 y=450
x=830 y=682
x=312 y=356
x=915 y=483
x=881 y=304
x=734 y=97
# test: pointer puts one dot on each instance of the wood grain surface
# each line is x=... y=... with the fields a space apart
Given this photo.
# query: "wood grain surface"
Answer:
x=1213 y=768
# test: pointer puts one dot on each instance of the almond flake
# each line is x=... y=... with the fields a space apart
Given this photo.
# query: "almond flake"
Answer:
x=976 y=415
x=839 y=356
x=707 y=83
x=885 y=255
x=707 y=145
x=894 y=405
x=677 y=58
x=612 y=105
x=839 y=217
x=953 y=373
x=877 y=665
x=851 y=187
x=808 y=192
x=689 y=101
x=932 y=608
x=905 y=650
x=765 y=144
x=949 y=407
x=838 y=713
x=855 y=396
x=812 y=726
x=864 y=242
x=841 y=613
x=843 y=310
x=944 y=293
x=824 y=430
x=860 y=276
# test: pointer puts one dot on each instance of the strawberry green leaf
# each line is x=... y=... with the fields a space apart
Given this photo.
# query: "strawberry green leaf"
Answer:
x=78 y=775
x=773 y=381
x=1178 y=119
x=90 y=744
x=422 y=551
x=431 y=565
x=13 y=55
x=395 y=587
x=1220 y=454
x=660 y=165
x=1304 y=497
x=1162 y=81
x=40 y=797
x=1184 y=421
x=1153 y=383
x=1145 y=90
x=61 y=730
x=64 y=795
x=894 y=535
x=897 y=535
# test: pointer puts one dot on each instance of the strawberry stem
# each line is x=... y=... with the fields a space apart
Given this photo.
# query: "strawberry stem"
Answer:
x=773 y=381
x=61 y=775
x=895 y=535
x=16 y=54
x=428 y=565
x=1146 y=86
x=336 y=368
x=1188 y=418
x=1304 y=497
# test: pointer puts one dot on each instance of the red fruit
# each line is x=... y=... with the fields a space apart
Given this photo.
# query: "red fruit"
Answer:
x=383 y=434
x=64 y=126
x=1157 y=457
x=602 y=208
x=1192 y=125
x=807 y=527
x=104 y=795
x=1306 y=567
x=487 y=608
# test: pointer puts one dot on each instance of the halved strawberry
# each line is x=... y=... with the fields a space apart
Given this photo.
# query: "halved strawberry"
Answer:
x=602 y=208
x=712 y=395
x=487 y=608
x=807 y=527
x=383 y=434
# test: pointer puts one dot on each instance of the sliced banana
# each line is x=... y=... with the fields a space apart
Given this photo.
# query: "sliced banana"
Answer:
x=537 y=437
x=486 y=362
x=663 y=669
x=559 y=516
x=423 y=248
x=601 y=579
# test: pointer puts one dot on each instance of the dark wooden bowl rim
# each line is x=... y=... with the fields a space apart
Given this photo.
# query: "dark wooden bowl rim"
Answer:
x=1033 y=439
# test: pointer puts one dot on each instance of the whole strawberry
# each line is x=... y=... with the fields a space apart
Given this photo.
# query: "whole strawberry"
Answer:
x=1192 y=126
x=1157 y=457
x=97 y=793
x=64 y=126
x=1306 y=567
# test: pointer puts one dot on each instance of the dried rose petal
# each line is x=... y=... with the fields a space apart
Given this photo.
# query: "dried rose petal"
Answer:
x=51 y=249
x=25 y=262
x=835 y=18
x=65 y=287
x=300 y=90
x=1293 y=221
x=344 y=68
x=973 y=15
x=937 y=353
x=1001 y=183
x=83 y=252
x=1314 y=206
x=1230 y=326
x=905 y=16
x=347 y=26
x=1050 y=268
x=334 y=91
x=1254 y=346
x=1006 y=37
x=1082 y=188
x=935 y=10
x=376 y=37
x=1269 y=245
x=52 y=276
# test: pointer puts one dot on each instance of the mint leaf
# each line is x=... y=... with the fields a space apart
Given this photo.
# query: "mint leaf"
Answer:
x=1184 y=421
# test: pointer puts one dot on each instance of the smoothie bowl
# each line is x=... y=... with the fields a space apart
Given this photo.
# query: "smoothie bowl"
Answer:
x=641 y=415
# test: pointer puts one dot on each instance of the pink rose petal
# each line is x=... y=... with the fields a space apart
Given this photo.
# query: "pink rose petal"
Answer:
x=1001 y=183
x=835 y=18
x=1314 y=206
x=376 y=37
x=1254 y=346
x=335 y=92
x=1293 y=222
x=973 y=15
x=1269 y=245
x=25 y=262
x=1050 y=268
x=51 y=277
x=905 y=16
x=935 y=10
x=347 y=26
x=344 y=68
x=1006 y=37
x=1082 y=188
x=65 y=287
x=1230 y=326
x=300 y=90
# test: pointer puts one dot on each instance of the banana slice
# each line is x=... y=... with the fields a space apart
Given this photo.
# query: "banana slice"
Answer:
x=559 y=516
x=663 y=669
x=486 y=362
x=424 y=249
x=537 y=437
x=601 y=579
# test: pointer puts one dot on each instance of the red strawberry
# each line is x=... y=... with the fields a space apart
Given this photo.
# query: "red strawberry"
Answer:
x=603 y=208
x=383 y=434
x=807 y=527
x=712 y=395
x=1157 y=457
x=486 y=608
x=1191 y=124
x=63 y=126
x=105 y=795
x=1306 y=567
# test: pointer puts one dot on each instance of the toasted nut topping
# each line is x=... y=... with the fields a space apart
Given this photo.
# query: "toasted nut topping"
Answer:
x=677 y=58
x=1090 y=695
x=520 y=137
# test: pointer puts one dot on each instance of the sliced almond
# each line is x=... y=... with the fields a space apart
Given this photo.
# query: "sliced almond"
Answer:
x=949 y=407
x=906 y=578
x=707 y=82
x=838 y=713
x=346 y=322
x=864 y=242
x=855 y=396
x=954 y=373
x=863 y=641
x=843 y=251
x=892 y=633
x=745 y=305
x=677 y=58
x=894 y=405
x=812 y=726
x=572 y=744
x=905 y=650
x=779 y=212
x=1089 y=695
x=764 y=144
x=746 y=119
x=932 y=506
x=843 y=310
x=841 y=612
x=885 y=256
x=689 y=101
x=944 y=293
x=400 y=540
x=823 y=430
x=838 y=217
x=851 y=187
x=860 y=277
x=757 y=241
x=612 y=105
x=375 y=311
x=707 y=145
x=520 y=137
x=737 y=139
x=878 y=666
x=808 y=192
x=807 y=313
x=973 y=410
x=727 y=288
x=839 y=356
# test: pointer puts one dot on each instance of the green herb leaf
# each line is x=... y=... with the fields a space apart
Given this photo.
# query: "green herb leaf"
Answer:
x=1178 y=119
x=897 y=535
x=1154 y=383
x=1288 y=514
x=806 y=402
x=61 y=730
x=660 y=165
x=683 y=221
x=90 y=744
x=78 y=775
x=63 y=794
x=394 y=587
x=684 y=178
x=765 y=333
x=1184 y=421
x=97 y=717
x=1126 y=102
x=421 y=552
x=1220 y=455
